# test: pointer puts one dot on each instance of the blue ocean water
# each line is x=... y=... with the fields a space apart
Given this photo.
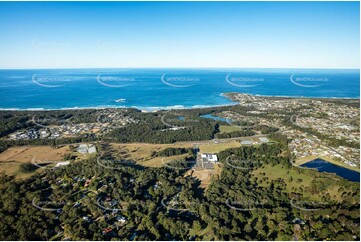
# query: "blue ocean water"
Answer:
x=150 y=89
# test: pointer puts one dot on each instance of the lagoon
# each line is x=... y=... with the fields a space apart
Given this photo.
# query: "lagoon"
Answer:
x=215 y=118
x=324 y=166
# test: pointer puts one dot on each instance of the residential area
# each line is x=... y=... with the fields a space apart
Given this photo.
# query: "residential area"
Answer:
x=329 y=118
x=106 y=121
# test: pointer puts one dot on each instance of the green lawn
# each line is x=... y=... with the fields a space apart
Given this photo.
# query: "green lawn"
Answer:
x=215 y=148
x=228 y=129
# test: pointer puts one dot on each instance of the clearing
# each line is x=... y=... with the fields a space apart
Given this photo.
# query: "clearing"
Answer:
x=25 y=154
x=12 y=158
x=217 y=147
x=228 y=128
x=142 y=153
x=205 y=175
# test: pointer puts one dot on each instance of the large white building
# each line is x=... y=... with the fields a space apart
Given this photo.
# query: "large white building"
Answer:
x=86 y=149
x=209 y=157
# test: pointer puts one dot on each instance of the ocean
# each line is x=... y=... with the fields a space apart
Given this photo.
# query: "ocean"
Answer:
x=152 y=89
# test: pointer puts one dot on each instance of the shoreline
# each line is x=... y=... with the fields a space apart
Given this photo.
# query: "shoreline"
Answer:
x=290 y=97
x=227 y=95
x=142 y=109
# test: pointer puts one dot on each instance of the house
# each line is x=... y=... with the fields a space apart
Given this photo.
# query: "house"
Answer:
x=86 y=149
x=206 y=157
x=121 y=219
x=264 y=139
x=246 y=142
x=86 y=219
x=83 y=148
x=63 y=163
x=92 y=149
x=298 y=221
x=87 y=182
x=107 y=230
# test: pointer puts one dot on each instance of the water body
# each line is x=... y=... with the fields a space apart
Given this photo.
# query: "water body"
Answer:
x=152 y=89
x=324 y=166
x=215 y=118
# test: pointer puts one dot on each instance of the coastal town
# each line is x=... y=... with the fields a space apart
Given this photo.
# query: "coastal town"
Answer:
x=326 y=118
x=106 y=120
x=180 y=120
x=313 y=128
x=310 y=124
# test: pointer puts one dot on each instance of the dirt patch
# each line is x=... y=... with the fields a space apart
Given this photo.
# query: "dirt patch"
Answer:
x=205 y=176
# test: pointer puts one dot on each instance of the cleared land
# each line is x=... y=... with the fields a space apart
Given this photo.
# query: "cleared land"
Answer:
x=228 y=129
x=40 y=153
x=12 y=158
x=142 y=153
x=158 y=161
x=205 y=176
x=215 y=148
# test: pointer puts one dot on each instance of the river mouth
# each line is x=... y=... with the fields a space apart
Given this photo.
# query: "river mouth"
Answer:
x=324 y=166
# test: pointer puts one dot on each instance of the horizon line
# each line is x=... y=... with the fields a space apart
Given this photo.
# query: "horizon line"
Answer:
x=73 y=68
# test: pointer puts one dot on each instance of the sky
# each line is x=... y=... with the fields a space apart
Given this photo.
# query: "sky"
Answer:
x=179 y=34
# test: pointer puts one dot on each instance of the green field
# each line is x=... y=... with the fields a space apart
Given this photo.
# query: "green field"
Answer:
x=215 y=148
x=228 y=129
x=298 y=179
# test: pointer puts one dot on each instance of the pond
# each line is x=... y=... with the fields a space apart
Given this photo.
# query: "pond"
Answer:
x=215 y=118
x=324 y=166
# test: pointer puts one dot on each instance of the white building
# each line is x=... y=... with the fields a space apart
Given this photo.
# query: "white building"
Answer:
x=121 y=219
x=92 y=149
x=209 y=157
x=246 y=142
x=264 y=139
x=86 y=149
x=63 y=163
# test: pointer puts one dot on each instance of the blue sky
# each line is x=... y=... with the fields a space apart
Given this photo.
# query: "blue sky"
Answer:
x=180 y=34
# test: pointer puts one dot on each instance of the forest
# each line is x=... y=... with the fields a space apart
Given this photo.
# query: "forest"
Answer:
x=84 y=201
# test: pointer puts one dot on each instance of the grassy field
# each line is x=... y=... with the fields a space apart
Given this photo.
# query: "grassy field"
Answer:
x=228 y=128
x=215 y=148
x=158 y=162
x=27 y=153
x=141 y=153
x=12 y=158
x=297 y=178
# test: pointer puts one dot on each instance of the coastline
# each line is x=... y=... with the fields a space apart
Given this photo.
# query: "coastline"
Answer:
x=143 y=109
x=227 y=95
